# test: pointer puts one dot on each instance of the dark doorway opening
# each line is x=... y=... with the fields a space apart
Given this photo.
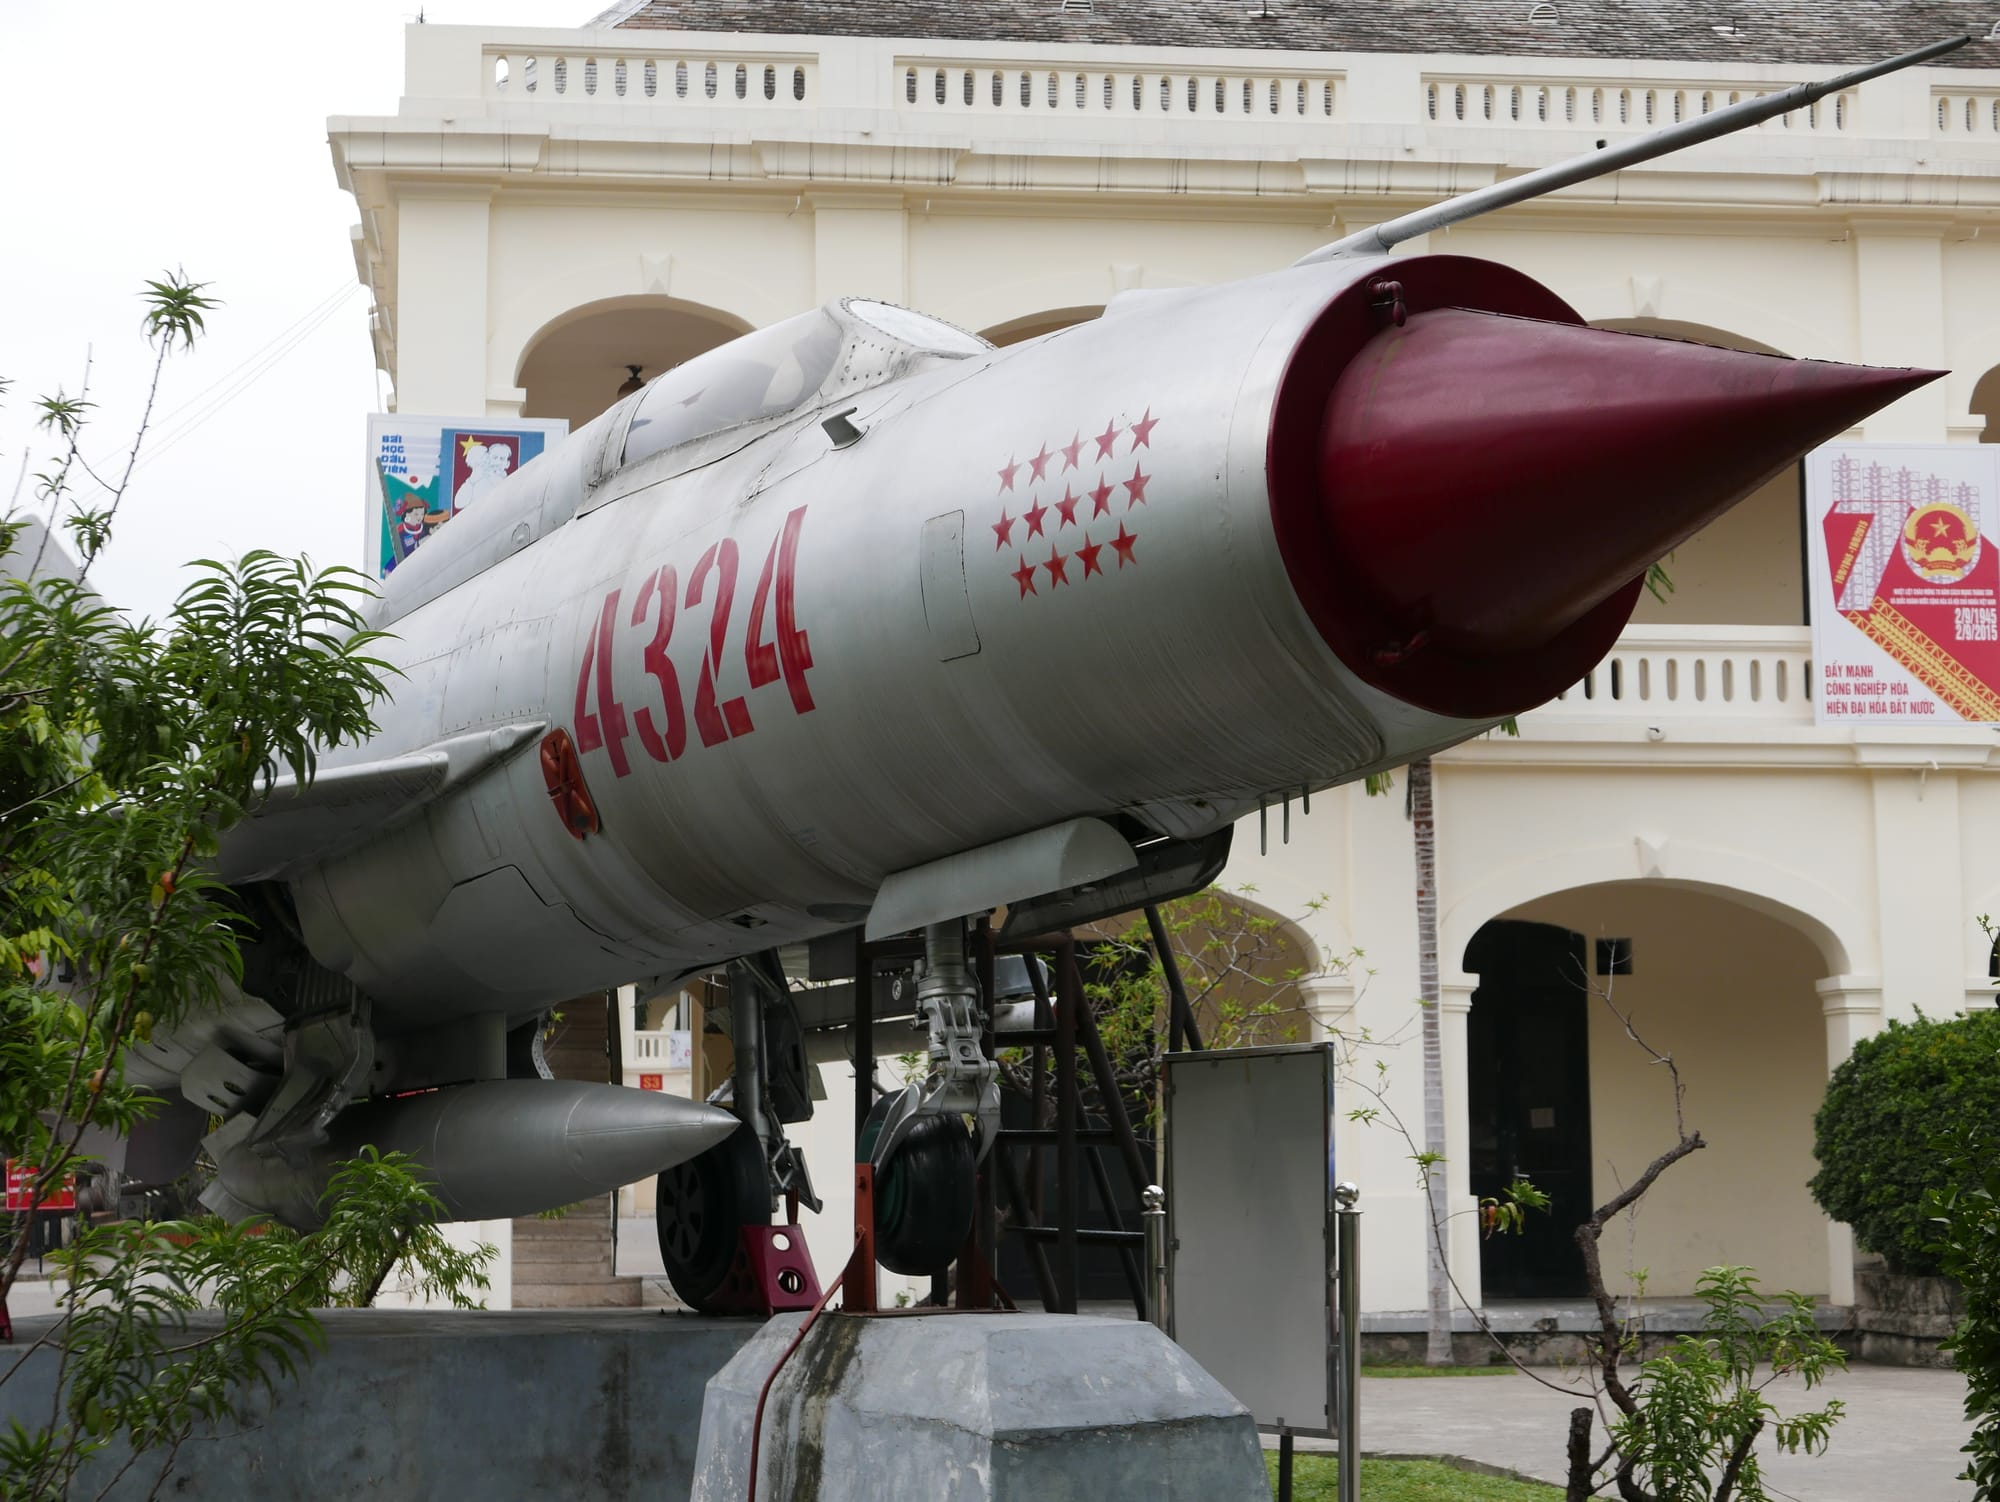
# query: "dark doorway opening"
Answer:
x=1528 y=1083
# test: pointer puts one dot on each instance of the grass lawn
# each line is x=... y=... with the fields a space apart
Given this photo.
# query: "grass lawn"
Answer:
x=1435 y=1371
x=1404 y=1481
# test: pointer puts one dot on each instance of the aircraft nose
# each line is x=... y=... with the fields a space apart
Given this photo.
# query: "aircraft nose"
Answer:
x=1492 y=488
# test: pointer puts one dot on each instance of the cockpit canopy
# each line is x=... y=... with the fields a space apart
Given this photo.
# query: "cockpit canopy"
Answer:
x=817 y=357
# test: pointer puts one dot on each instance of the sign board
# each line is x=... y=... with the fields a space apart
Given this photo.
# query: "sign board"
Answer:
x=1905 y=579
x=20 y=1180
x=1250 y=1226
x=652 y=1082
x=680 y=1048
x=423 y=471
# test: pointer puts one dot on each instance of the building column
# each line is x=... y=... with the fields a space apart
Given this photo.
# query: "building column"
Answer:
x=861 y=246
x=1899 y=315
x=1852 y=1005
x=441 y=287
x=1462 y=1234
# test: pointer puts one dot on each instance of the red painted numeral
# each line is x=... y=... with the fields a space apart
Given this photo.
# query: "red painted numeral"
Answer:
x=674 y=742
x=787 y=654
x=588 y=736
x=716 y=724
x=610 y=713
x=792 y=649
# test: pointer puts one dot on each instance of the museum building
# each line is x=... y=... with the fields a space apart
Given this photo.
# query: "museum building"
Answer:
x=551 y=211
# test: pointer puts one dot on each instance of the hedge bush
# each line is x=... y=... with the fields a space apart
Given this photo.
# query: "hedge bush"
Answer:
x=1886 y=1105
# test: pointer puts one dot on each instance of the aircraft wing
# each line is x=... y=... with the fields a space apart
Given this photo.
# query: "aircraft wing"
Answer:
x=293 y=826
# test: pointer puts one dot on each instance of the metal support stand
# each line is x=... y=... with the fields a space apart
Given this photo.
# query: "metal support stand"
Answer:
x=1347 y=1297
x=1154 y=1198
x=1285 y=1466
x=1182 y=1030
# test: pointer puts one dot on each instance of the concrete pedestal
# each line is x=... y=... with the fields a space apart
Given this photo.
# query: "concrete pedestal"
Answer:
x=975 y=1408
x=599 y=1406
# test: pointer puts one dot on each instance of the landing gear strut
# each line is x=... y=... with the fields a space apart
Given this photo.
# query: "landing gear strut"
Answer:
x=924 y=1158
x=703 y=1206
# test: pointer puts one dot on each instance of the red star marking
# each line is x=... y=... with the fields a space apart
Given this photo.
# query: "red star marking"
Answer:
x=1003 y=529
x=1034 y=518
x=1057 y=564
x=1007 y=474
x=1025 y=577
x=1071 y=449
x=1137 y=486
x=1142 y=430
x=1100 y=498
x=1039 y=464
x=1088 y=553
x=1067 y=506
x=1107 y=439
x=1124 y=542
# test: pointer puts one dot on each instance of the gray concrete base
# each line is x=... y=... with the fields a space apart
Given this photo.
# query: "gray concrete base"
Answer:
x=599 y=1406
x=976 y=1408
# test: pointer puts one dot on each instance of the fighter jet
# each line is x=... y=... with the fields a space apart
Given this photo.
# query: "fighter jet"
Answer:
x=858 y=622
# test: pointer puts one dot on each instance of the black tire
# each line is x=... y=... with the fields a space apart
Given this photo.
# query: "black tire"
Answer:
x=701 y=1205
x=925 y=1194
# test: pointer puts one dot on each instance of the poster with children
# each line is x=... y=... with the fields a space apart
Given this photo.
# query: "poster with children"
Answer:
x=1905 y=583
x=423 y=471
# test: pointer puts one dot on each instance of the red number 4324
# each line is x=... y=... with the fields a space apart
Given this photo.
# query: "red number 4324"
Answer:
x=712 y=582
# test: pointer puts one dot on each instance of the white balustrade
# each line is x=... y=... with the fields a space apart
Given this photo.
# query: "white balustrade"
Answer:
x=961 y=86
x=1967 y=113
x=1509 y=100
x=649 y=77
x=1734 y=672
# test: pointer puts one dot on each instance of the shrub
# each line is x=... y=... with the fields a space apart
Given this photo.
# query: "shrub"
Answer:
x=1967 y=1227
x=1885 y=1108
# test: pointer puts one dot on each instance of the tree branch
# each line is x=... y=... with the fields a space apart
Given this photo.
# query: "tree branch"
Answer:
x=1736 y=1459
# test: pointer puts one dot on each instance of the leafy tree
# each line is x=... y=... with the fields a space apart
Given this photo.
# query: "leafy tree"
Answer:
x=1705 y=1406
x=1966 y=1226
x=126 y=748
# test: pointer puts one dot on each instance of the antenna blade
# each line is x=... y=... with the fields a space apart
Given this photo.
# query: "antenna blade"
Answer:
x=1722 y=122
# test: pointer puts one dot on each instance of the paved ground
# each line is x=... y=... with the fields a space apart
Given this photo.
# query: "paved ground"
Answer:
x=1898 y=1439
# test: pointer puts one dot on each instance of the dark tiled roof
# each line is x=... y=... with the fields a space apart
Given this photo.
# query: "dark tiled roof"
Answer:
x=1767 y=31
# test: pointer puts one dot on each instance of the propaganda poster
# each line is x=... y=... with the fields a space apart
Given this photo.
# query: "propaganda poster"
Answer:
x=423 y=471
x=1905 y=583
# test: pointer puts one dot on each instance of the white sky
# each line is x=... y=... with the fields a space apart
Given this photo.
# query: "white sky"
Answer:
x=142 y=136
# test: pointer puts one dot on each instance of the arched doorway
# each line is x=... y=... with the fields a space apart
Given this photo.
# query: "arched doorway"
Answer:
x=1528 y=1099
x=1986 y=403
x=575 y=364
x=1034 y=325
x=1558 y=1086
x=1748 y=567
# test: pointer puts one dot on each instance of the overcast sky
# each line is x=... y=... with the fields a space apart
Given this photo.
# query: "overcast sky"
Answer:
x=142 y=136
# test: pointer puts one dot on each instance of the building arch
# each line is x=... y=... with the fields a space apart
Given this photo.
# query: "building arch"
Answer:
x=1697 y=333
x=1560 y=1089
x=1709 y=316
x=564 y=287
x=1834 y=927
x=1034 y=325
x=1076 y=293
x=1985 y=402
x=574 y=366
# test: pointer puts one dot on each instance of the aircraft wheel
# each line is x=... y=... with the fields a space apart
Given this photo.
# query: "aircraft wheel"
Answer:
x=925 y=1194
x=701 y=1204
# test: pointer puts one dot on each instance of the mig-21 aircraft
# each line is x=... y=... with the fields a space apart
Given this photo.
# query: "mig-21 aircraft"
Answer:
x=858 y=622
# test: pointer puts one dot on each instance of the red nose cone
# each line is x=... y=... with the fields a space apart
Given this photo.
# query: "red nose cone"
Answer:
x=1498 y=478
